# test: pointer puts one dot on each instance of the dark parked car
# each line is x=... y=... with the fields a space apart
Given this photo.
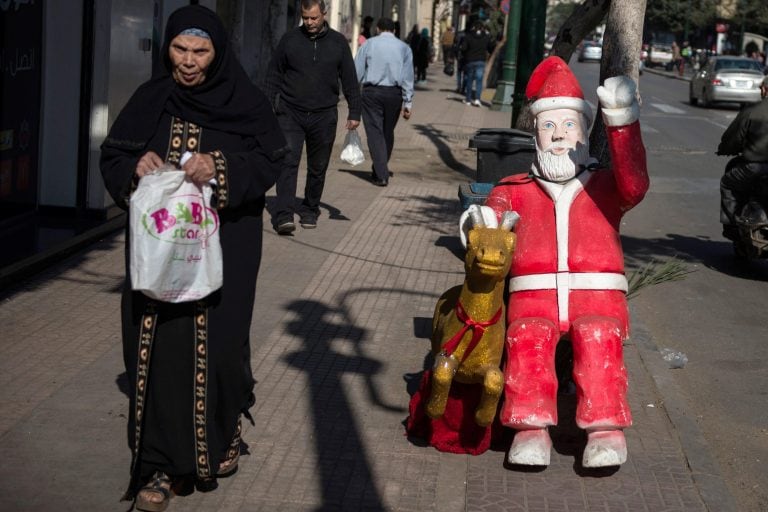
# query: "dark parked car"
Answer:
x=726 y=78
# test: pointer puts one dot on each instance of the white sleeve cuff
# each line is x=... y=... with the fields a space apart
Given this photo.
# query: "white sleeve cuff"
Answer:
x=621 y=116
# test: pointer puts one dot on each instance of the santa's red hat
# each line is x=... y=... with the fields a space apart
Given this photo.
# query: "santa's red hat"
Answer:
x=553 y=86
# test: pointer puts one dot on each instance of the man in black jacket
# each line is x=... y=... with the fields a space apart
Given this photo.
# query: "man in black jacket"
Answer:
x=747 y=137
x=475 y=48
x=303 y=85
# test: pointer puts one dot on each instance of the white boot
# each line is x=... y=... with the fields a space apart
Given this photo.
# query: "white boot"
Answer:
x=605 y=448
x=530 y=448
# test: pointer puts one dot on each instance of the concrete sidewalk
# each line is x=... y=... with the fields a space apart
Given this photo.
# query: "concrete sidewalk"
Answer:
x=340 y=335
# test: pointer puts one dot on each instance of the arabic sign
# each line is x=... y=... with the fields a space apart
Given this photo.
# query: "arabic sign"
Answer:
x=14 y=5
x=20 y=100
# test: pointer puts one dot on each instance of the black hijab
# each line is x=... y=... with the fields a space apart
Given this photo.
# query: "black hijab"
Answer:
x=226 y=101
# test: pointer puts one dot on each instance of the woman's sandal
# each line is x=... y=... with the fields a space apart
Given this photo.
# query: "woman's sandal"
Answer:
x=159 y=485
x=228 y=466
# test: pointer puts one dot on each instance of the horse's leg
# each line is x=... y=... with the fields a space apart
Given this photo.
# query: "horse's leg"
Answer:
x=443 y=372
x=493 y=385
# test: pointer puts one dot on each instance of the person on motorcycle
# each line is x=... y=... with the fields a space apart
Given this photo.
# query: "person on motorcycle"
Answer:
x=746 y=137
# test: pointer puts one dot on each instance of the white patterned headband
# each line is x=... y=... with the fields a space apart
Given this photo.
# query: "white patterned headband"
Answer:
x=194 y=31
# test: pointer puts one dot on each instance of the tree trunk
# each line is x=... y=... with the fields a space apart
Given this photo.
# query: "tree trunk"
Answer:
x=622 y=40
x=583 y=20
x=621 y=56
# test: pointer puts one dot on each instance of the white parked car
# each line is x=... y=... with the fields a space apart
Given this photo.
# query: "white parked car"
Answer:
x=590 y=50
x=659 y=55
x=726 y=78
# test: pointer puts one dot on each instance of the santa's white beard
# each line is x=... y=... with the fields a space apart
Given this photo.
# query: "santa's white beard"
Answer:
x=560 y=167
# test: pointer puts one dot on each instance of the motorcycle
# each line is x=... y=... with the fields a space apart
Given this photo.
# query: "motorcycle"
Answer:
x=749 y=230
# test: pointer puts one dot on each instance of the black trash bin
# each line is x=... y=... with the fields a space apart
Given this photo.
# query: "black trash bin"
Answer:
x=502 y=152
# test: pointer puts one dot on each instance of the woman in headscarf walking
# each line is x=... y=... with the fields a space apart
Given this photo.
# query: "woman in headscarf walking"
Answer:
x=423 y=55
x=188 y=364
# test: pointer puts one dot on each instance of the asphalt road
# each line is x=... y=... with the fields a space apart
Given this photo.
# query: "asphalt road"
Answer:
x=716 y=315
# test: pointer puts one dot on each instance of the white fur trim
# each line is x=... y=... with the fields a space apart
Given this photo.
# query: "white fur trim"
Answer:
x=575 y=281
x=621 y=116
x=557 y=102
x=563 y=197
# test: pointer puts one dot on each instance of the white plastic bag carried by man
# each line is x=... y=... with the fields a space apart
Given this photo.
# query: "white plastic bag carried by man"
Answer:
x=353 y=149
x=175 y=249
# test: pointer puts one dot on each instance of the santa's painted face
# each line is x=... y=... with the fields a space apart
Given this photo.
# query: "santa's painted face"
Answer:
x=561 y=144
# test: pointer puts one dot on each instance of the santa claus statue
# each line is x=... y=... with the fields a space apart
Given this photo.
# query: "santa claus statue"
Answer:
x=567 y=275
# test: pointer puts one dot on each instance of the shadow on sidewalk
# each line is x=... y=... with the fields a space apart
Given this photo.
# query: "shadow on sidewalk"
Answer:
x=42 y=267
x=345 y=470
x=439 y=138
x=715 y=254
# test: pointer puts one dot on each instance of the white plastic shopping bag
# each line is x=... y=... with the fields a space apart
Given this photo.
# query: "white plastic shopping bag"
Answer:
x=174 y=238
x=353 y=149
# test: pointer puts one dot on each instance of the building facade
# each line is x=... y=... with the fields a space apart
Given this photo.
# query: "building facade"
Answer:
x=69 y=66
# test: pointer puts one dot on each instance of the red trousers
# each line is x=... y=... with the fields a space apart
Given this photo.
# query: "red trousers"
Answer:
x=530 y=392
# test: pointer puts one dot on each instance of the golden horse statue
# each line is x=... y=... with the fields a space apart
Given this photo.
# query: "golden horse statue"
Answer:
x=468 y=327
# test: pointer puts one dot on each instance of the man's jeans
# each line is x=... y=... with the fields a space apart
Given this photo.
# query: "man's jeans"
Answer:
x=318 y=130
x=473 y=72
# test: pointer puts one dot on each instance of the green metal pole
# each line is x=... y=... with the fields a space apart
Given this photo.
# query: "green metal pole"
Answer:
x=533 y=21
x=505 y=87
x=687 y=19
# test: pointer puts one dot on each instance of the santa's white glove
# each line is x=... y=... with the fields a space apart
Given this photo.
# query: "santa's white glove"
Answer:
x=619 y=102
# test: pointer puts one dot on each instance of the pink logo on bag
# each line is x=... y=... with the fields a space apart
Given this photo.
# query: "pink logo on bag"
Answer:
x=189 y=222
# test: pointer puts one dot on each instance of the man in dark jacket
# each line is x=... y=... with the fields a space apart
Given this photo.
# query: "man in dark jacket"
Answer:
x=303 y=85
x=475 y=48
x=747 y=136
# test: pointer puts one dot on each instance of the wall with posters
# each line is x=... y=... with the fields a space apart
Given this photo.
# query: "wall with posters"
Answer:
x=20 y=72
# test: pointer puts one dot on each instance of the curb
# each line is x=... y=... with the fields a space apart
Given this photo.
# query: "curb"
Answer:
x=667 y=74
x=705 y=471
x=15 y=272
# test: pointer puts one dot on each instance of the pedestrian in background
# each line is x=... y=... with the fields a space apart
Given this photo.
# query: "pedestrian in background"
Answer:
x=188 y=363
x=460 y=81
x=412 y=39
x=365 y=34
x=676 y=58
x=423 y=55
x=475 y=48
x=303 y=86
x=385 y=68
x=446 y=44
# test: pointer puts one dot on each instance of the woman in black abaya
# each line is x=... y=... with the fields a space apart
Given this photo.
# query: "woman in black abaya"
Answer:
x=188 y=364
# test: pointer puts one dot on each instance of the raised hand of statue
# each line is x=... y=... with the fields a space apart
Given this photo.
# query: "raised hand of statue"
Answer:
x=617 y=92
x=618 y=97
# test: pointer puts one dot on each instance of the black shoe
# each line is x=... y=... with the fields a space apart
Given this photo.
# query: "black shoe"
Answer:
x=285 y=227
x=380 y=183
x=308 y=220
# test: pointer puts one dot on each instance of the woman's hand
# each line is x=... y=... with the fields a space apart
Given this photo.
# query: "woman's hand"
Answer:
x=200 y=167
x=148 y=163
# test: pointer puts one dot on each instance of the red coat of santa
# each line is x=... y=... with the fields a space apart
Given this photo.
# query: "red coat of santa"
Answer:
x=567 y=276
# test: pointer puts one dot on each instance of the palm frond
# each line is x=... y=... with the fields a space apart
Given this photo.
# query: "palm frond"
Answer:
x=656 y=272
